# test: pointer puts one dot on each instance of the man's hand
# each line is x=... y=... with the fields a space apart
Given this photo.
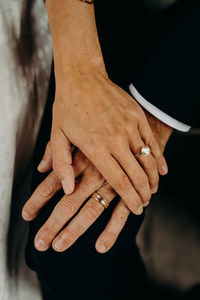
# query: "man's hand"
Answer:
x=161 y=131
x=90 y=180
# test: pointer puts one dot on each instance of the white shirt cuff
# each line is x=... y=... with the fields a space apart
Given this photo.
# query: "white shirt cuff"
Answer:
x=156 y=112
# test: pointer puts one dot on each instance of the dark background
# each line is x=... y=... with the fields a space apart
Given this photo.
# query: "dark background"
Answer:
x=170 y=236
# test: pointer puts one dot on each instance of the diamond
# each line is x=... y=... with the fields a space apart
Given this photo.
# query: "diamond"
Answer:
x=145 y=150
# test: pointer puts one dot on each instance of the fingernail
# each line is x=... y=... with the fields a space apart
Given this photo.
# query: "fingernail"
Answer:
x=140 y=209
x=40 y=245
x=67 y=186
x=42 y=165
x=154 y=190
x=58 y=244
x=101 y=247
x=26 y=216
x=164 y=170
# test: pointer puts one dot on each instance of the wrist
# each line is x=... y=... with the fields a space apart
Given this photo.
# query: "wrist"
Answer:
x=161 y=131
x=76 y=45
x=72 y=66
x=76 y=83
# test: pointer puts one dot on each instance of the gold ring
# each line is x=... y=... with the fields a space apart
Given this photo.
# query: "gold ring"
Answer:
x=144 y=151
x=101 y=200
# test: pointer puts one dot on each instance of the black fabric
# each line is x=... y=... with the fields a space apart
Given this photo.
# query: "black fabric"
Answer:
x=158 y=52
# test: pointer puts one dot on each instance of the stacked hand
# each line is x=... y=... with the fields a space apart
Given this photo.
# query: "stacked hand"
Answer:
x=105 y=123
x=90 y=180
x=109 y=127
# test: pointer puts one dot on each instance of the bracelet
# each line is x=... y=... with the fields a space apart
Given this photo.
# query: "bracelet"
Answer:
x=87 y=1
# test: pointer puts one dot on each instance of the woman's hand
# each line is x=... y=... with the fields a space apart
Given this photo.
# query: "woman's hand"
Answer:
x=89 y=182
x=109 y=127
x=94 y=114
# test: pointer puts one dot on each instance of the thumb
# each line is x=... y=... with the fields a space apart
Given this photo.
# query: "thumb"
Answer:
x=62 y=161
x=46 y=162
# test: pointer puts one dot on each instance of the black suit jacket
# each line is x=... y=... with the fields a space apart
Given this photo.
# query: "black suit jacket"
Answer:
x=158 y=52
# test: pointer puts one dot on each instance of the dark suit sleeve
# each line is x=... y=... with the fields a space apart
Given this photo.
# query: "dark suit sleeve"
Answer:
x=170 y=79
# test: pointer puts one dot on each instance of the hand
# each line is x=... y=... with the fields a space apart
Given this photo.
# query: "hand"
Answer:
x=108 y=126
x=95 y=115
x=161 y=131
x=90 y=181
x=68 y=206
x=108 y=237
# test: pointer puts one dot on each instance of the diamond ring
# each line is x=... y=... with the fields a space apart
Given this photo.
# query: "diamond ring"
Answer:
x=144 y=151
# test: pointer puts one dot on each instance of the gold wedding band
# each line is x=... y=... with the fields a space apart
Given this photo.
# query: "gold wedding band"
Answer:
x=101 y=200
x=144 y=151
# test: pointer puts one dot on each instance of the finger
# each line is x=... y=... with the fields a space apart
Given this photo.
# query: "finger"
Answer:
x=46 y=163
x=117 y=178
x=80 y=163
x=149 y=140
x=49 y=187
x=148 y=162
x=133 y=169
x=85 y=218
x=67 y=207
x=62 y=161
x=115 y=225
x=44 y=192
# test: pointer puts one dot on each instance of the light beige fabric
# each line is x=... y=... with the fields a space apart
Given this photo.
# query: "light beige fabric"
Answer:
x=25 y=63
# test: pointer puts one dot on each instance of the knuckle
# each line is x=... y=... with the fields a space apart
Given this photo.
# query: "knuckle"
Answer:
x=152 y=165
x=91 y=212
x=101 y=149
x=110 y=238
x=134 y=205
x=71 y=232
x=122 y=183
x=117 y=138
x=98 y=145
x=158 y=153
x=108 y=125
x=136 y=112
x=96 y=175
x=67 y=206
x=151 y=142
x=54 y=177
x=48 y=231
x=45 y=189
x=155 y=181
x=122 y=218
x=141 y=182
x=58 y=168
x=147 y=197
x=56 y=165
